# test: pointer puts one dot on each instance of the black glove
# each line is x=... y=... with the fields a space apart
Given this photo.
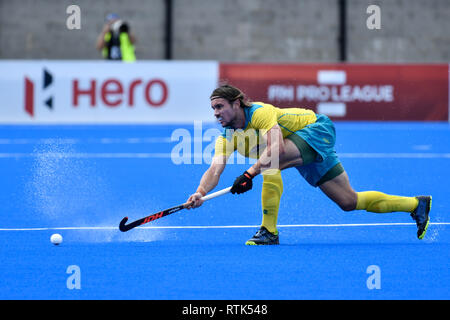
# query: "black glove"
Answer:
x=242 y=183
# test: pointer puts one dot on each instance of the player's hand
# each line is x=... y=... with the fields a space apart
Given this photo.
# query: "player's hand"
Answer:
x=242 y=184
x=194 y=201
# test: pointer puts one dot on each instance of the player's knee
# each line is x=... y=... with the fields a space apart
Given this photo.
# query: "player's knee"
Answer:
x=348 y=203
x=347 y=206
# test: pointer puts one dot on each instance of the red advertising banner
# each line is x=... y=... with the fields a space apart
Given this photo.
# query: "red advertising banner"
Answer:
x=413 y=92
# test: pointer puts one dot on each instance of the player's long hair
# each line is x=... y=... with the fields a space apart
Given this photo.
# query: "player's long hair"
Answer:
x=230 y=93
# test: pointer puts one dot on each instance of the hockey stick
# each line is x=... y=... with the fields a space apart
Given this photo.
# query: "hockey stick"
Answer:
x=125 y=227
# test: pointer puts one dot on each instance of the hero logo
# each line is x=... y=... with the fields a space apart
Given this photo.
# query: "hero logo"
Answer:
x=109 y=92
x=113 y=93
x=29 y=92
x=331 y=93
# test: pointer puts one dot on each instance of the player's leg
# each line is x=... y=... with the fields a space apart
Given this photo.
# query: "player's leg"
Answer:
x=316 y=143
x=272 y=189
x=340 y=191
x=293 y=156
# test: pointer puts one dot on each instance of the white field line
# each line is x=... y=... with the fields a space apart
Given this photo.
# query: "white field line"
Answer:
x=111 y=155
x=105 y=140
x=332 y=225
x=146 y=155
x=406 y=155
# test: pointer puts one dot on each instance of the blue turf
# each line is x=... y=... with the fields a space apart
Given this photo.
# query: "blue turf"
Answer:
x=38 y=190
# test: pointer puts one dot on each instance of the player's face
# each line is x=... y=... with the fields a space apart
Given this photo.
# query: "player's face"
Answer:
x=223 y=111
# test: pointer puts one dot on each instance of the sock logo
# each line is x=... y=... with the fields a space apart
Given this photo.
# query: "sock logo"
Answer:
x=29 y=92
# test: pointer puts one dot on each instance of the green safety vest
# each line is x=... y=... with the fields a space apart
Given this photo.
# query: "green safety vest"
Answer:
x=126 y=47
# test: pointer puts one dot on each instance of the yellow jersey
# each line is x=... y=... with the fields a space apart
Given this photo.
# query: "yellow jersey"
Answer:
x=260 y=118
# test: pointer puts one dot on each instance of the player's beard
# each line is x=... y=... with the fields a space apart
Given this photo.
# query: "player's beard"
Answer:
x=224 y=123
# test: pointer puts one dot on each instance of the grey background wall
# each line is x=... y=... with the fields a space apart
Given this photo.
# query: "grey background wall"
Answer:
x=233 y=30
x=411 y=31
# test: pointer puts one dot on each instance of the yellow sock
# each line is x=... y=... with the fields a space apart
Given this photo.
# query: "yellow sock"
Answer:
x=374 y=201
x=272 y=189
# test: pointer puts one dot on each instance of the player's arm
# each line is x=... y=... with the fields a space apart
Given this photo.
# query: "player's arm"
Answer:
x=269 y=159
x=209 y=180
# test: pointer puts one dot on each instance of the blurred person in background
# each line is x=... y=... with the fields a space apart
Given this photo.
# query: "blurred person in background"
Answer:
x=116 y=42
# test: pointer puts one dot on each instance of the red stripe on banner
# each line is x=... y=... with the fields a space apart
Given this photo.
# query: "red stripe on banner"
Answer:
x=380 y=92
x=29 y=97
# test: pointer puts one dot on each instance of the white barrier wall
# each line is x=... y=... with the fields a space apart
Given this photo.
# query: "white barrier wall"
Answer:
x=106 y=92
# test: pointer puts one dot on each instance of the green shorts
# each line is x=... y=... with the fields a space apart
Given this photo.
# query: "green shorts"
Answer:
x=316 y=145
